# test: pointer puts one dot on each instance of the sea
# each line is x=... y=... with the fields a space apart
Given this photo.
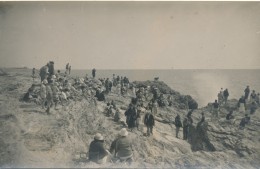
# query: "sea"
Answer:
x=202 y=85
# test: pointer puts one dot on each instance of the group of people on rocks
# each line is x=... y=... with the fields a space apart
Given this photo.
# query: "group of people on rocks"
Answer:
x=247 y=103
x=57 y=88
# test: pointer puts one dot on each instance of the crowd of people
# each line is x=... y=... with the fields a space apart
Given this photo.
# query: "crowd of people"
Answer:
x=58 y=88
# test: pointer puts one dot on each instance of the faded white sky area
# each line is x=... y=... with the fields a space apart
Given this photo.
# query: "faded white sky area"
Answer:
x=131 y=35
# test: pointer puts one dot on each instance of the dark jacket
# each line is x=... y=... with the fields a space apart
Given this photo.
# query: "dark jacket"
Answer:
x=178 y=121
x=97 y=150
x=149 y=119
x=122 y=147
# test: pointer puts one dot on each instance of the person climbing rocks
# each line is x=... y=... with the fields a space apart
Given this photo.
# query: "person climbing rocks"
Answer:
x=121 y=147
x=247 y=91
x=94 y=73
x=178 y=125
x=149 y=123
x=97 y=152
x=225 y=94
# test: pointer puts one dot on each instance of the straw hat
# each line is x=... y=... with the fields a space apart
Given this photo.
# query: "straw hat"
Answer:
x=98 y=136
x=123 y=132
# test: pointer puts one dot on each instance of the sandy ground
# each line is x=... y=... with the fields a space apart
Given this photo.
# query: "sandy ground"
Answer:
x=31 y=138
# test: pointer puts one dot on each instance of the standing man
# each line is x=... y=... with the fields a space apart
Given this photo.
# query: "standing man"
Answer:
x=33 y=73
x=226 y=94
x=178 y=124
x=185 y=128
x=215 y=109
x=247 y=91
x=149 y=122
x=94 y=73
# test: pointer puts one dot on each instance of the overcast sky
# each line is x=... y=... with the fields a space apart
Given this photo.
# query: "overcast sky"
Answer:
x=131 y=35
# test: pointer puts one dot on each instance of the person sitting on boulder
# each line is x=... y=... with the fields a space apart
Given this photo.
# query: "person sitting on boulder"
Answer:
x=178 y=124
x=97 y=151
x=149 y=122
x=122 y=147
x=244 y=121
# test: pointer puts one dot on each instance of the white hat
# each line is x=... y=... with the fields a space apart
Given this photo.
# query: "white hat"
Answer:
x=44 y=81
x=98 y=136
x=53 y=77
x=123 y=132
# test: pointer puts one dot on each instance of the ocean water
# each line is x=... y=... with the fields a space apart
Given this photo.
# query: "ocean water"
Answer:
x=202 y=85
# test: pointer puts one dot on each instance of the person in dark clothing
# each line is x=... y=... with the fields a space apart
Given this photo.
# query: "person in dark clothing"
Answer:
x=244 y=121
x=185 y=128
x=51 y=68
x=230 y=115
x=253 y=107
x=215 y=109
x=33 y=73
x=178 y=124
x=29 y=95
x=190 y=121
x=226 y=94
x=202 y=120
x=149 y=122
x=100 y=95
x=122 y=147
x=247 y=91
x=131 y=116
x=97 y=151
x=94 y=73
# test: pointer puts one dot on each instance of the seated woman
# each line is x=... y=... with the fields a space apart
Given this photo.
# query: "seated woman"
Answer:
x=97 y=151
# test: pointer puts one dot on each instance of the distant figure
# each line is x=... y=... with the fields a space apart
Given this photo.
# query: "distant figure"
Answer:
x=33 y=73
x=69 y=69
x=149 y=122
x=97 y=151
x=253 y=107
x=226 y=94
x=190 y=121
x=230 y=115
x=156 y=78
x=202 y=120
x=44 y=71
x=94 y=73
x=220 y=97
x=258 y=98
x=49 y=97
x=117 y=115
x=241 y=104
x=122 y=147
x=131 y=117
x=178 y=124
x=185 y=128
x=244 y=121
x=215 y=109
x=43 y=92
x=51 y=68
x=253 y=96
x=247 y=91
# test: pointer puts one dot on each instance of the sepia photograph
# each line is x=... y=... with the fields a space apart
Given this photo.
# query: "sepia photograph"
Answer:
x=130 y=84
